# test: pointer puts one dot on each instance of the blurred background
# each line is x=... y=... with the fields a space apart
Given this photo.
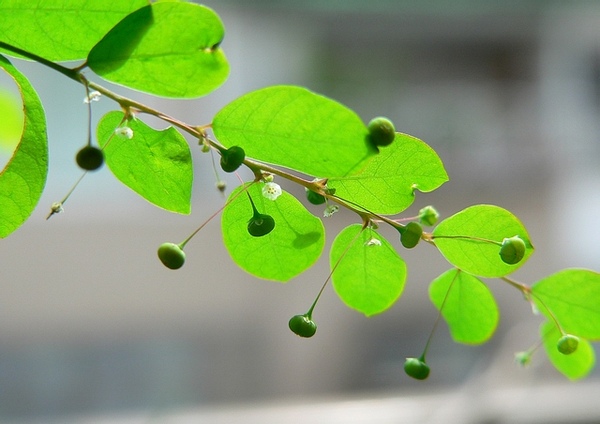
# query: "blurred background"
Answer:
x=93 y=329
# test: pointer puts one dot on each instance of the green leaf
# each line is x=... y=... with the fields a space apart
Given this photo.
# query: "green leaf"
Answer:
x=168 y=49
x=467 y=305
x=572 y=296
x=297 y=129
x=24 y=177
x=370 y=275
x=155 y=164
x=61 y=31
x=574 y=366
x=292 y=247
x=12 y=121
x=387 y=184
x=456 y=238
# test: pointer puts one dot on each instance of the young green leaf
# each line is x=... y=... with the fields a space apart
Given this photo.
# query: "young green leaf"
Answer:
x=574 y=366
x=387 y=184
x=155 y=164
x=297 y=129
x=572 y=296
x=371 y=275
x=471 y=239
x=22 y=180
x=61 y=31
x=168 y=49
x=294 y=245
x=469 y=306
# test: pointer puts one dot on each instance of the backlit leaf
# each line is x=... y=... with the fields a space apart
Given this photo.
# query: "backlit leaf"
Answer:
x=297 y=129
x=155 y=164
x=388 y=183
x=168 y=49
x=24 y=177
x=461 y=239
x=61 y=30
x=370 y=275
x=469 y=306
x=572 y=296
x=574 y=366
x=292 y=247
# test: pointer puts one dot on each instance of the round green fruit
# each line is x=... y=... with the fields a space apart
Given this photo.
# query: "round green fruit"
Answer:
x=512 y=250
x=428 y=216
x=89 y=158
x=260 y=225
x=381 y=131
x=410 y=234
x=171 y=255
x=232 y=158
x=567 y=344
x=416 y=368
x=303 y=326
x=314 y=197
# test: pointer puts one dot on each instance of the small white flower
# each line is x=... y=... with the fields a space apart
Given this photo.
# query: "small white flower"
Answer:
x=271 y=191
x=94 y=96
x=124 y=132
x=373 y=242
x=330 y=210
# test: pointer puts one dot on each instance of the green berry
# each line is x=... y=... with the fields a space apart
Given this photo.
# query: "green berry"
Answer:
x=428 y=216
x=171 y=255
x=261 y=225
x=416 y=368
x=567 y=344
x=89 y=158
x=381 y=131
x=232 y=158
x=410 y=234
x=303 y=326
x=512 y=250
x=314 y=197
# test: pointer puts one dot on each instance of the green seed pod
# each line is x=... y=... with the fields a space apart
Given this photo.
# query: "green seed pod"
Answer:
x=512 y=250
x=303 y=326
x=416 y=368
x=171 y=255
x=428 y=216
x=381 y=131
x=232 y=158
x=314 y=197
x=410 y=234
x=261 y=225
x=567 y=344
x=89 y=158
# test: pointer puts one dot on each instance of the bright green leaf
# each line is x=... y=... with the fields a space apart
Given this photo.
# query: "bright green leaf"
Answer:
x=297 y=129
x=370 y=275
x=12 y=121
x=61 y=31
x=292 y=247
x=575 y=365
x=168 y=49
x=461 y=239
x=22 y=180
x=467 y=305
x=572 y=296
x=388 y=183
x=155 y=164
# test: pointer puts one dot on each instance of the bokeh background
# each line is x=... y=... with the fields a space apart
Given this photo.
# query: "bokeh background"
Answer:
x=93 y=329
